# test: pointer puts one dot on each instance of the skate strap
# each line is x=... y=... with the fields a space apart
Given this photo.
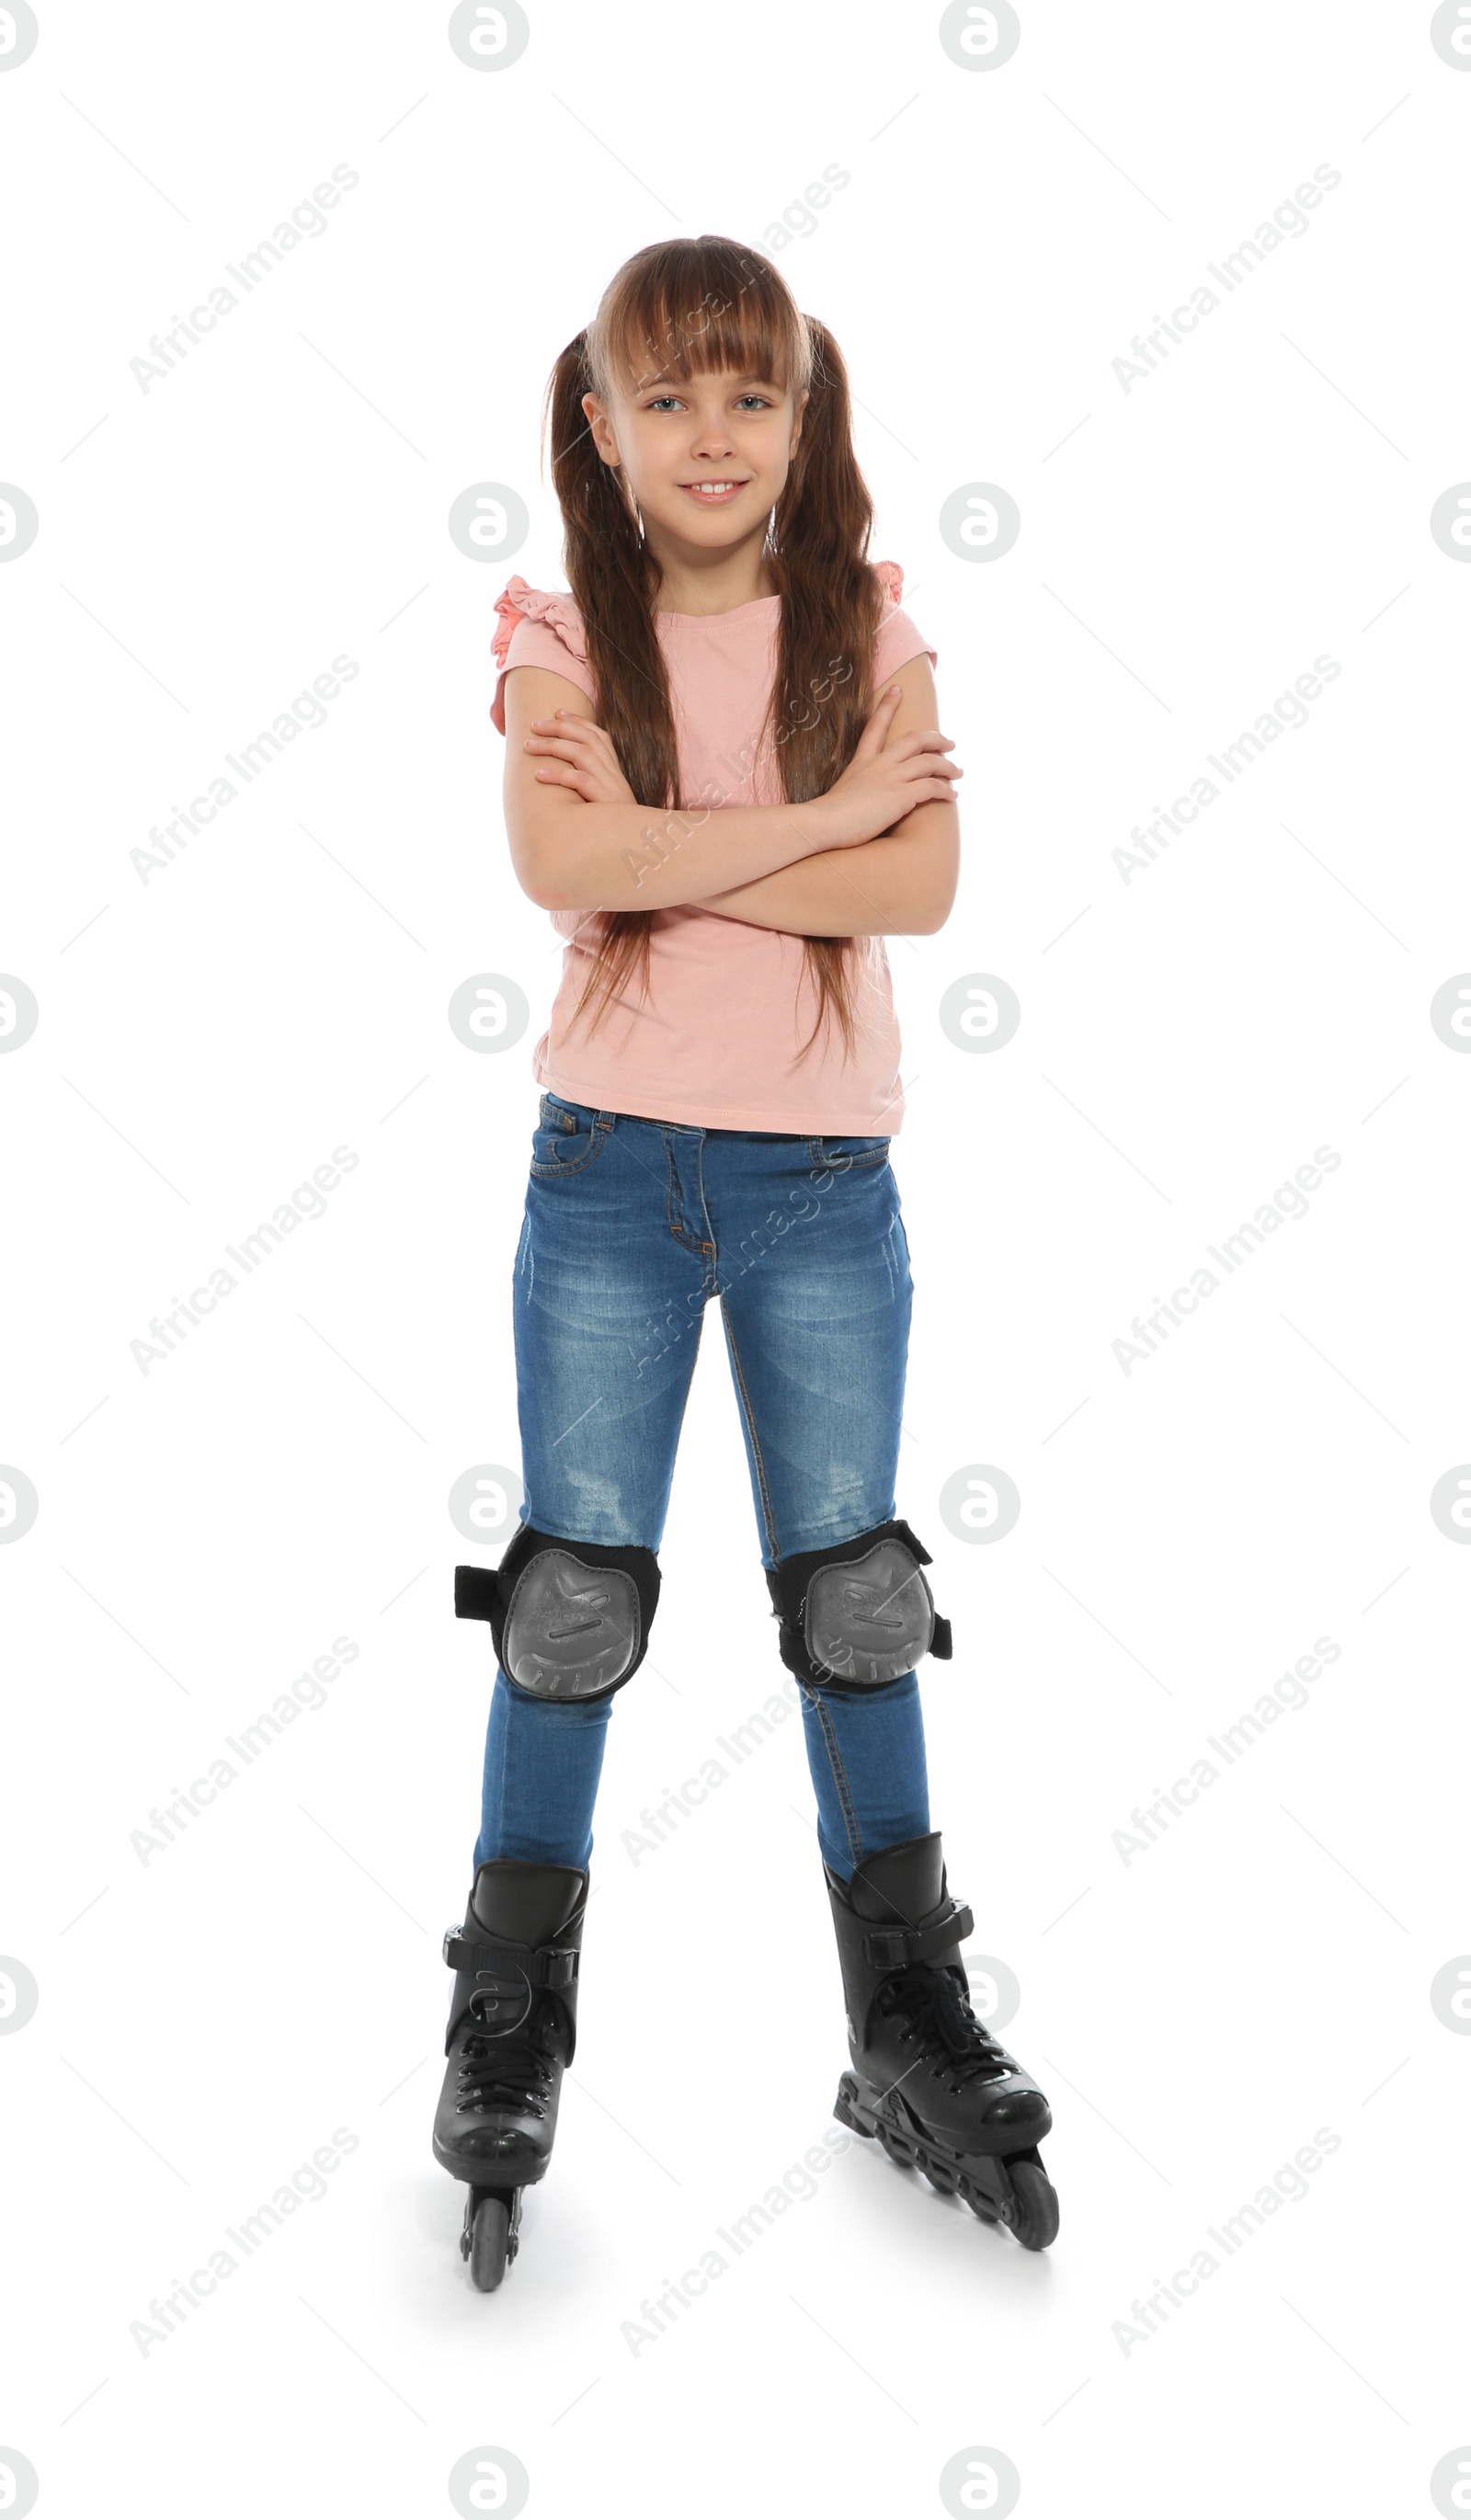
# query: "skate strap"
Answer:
x=548 y=1966
x=906 y=1946
x=478 y=1593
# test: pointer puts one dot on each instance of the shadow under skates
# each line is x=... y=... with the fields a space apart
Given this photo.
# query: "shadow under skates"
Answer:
x=511 y=2034
x=939 y=2093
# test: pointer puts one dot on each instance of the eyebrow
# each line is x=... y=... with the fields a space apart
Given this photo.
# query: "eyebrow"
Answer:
x=656 y=382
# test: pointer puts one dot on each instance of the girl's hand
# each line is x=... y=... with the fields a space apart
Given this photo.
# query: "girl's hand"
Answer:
x=883 y=782
x=579 y=755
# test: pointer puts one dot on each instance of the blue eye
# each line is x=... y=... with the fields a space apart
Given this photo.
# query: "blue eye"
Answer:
x=762 y=402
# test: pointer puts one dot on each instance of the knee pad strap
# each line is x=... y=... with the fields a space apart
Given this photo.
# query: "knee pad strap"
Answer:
x=571 y=1619
x=858 y=1614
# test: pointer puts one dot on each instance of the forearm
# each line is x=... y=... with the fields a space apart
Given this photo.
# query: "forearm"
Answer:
x=629 y=857
x=900 y=884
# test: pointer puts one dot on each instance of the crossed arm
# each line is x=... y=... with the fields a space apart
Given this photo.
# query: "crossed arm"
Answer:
x=901 y=883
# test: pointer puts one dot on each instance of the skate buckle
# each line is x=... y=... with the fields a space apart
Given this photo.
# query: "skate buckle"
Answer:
x=906 y=1945
x=551 y=1965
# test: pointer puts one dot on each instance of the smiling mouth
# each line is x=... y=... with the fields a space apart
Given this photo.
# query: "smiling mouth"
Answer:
x=712 y=491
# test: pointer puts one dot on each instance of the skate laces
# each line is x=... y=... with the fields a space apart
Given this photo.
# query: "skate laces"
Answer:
x=500 y=2072
x=939 y=2017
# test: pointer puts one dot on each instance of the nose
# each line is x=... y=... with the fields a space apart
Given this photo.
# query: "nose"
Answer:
x=711 y=436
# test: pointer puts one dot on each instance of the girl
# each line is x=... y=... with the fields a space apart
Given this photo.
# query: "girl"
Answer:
x=725 y=781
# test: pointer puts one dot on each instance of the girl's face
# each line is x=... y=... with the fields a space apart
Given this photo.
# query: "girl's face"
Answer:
x=707 y=457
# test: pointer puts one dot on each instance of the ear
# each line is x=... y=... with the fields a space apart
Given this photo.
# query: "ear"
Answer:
x=797 y=425
x=600 y=430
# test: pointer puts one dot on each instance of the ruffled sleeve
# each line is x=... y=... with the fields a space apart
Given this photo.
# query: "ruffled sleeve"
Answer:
x=898 y=638
x=537 y=628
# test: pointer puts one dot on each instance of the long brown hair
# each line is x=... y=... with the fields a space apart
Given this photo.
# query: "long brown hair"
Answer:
x=674 y=309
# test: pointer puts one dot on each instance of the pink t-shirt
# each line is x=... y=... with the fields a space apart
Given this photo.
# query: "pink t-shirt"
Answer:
x=715 y=1041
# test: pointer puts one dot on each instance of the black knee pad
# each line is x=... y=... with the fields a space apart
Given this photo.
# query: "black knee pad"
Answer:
x=857 y=1613
x=571 y=1619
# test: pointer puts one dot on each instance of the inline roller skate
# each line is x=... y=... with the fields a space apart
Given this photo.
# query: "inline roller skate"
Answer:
x=513 y=2030
x=940 y=2095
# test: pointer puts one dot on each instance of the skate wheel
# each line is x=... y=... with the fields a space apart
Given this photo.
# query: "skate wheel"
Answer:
x=1033 y=2215
x=945 y=2181
x=490 y=2221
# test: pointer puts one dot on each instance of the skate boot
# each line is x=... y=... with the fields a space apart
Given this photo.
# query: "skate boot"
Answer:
x=513 y=2031
x=940 y=2093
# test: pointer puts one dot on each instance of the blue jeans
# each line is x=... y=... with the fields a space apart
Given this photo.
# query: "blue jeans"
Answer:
x=631 y=1227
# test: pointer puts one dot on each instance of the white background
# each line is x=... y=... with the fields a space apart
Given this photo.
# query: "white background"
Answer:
x=205 y=1039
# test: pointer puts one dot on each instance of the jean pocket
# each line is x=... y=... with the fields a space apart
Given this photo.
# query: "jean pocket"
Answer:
x=849 y=1154
x=567 y=1137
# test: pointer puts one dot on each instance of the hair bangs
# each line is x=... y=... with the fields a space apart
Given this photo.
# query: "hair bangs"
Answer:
x=696 y=305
